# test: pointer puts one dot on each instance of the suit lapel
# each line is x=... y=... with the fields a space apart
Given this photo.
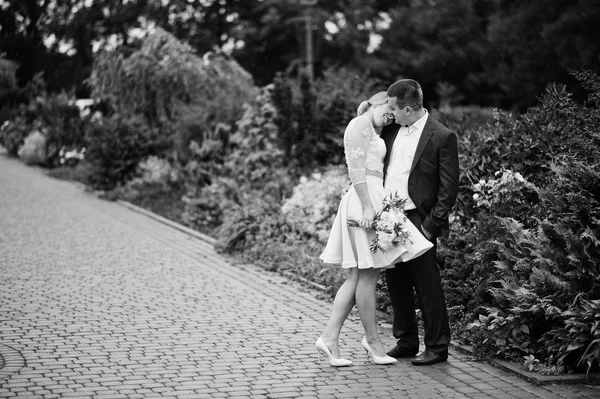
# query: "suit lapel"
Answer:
x=428 y=130
x=389 y=135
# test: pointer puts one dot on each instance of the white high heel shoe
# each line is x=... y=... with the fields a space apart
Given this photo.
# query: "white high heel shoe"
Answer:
x=377 y=359
x=335 y=362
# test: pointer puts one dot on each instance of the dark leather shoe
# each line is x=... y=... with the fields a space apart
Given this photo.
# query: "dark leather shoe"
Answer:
x=429 y=357
x=401 y=352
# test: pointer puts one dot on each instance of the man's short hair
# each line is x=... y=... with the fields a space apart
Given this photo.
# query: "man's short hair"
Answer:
x=408 y=92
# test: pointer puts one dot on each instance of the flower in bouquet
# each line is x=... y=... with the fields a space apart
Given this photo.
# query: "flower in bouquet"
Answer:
x=389 y=225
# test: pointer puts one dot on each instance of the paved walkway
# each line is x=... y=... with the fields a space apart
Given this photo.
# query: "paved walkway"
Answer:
x=98 y=301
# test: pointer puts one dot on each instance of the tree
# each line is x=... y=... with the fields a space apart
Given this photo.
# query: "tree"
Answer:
x=56 y=37
x=500 y=53
x=535 y=42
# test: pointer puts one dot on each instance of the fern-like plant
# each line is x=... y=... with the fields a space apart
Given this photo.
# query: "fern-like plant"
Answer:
x=535 y=265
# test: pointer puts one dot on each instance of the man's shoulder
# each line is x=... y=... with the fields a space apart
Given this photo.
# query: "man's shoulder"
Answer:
x=439 y=129
x=438 y=126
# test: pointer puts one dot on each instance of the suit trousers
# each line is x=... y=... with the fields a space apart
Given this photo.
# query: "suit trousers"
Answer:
x=421 y=276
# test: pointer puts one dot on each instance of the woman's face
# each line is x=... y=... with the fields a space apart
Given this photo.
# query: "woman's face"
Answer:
x=382 y=115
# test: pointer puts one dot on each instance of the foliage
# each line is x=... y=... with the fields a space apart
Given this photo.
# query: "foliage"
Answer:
x=78 y=172
x=462 y=119
x=255 y=158
x=533 y=364
x=116 y=145
x=493 y=53
x=165 y=77
x=34 y=33
x=13 y=134
x=509 y=194
x=155 y=170
x=542 y=260
x=314 y=202
x=153 y=175
x=457 y=258
x=311 y=118
x=33 y=150
x=54 y=116
x=61 y=122
x=220 y=180
x=205 y=205
x=578 y=340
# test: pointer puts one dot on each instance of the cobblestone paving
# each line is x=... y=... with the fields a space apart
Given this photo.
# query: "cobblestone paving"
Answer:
x=98 y=301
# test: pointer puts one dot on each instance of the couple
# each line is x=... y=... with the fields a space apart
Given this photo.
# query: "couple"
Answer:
x=417 y=158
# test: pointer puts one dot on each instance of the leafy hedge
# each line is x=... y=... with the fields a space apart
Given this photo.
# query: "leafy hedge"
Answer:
x=533 y=256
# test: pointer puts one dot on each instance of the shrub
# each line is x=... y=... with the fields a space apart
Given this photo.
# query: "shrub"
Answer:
x=62 y=123
x=56 y=117
x=156 y=170
x=464 y=118
x=172 y=87
x=314 y=202
x=221 y=180
x=33 y=151
x=312 y=118
x=254 y=159
x=205 y=205
x=577 y=341
x=534 y=269
x=116 y=145
x=13 y=134
x=508 y=194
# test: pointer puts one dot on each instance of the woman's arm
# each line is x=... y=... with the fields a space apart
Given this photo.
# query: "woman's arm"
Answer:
x=356 y=145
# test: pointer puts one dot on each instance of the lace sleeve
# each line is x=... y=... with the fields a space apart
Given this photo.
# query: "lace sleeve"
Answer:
x=356 y=143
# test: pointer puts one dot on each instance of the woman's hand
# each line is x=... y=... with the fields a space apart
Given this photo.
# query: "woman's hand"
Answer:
x=367 y=218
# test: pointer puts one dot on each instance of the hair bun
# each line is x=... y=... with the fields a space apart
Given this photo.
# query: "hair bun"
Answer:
x=362 y=108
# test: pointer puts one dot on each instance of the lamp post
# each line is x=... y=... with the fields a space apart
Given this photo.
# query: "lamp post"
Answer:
x=309 y=38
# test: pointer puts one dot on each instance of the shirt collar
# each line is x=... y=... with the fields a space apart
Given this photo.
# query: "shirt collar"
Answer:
x=420 y=124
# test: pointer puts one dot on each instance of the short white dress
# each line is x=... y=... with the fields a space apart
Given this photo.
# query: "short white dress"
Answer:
x=350 y=246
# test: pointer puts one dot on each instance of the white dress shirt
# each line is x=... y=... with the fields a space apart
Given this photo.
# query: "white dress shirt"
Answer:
x=401 y=158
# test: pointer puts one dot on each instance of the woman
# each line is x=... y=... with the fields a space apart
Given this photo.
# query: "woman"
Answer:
x=350 y=246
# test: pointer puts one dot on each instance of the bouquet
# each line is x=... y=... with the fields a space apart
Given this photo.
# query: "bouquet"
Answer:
x=389 y=225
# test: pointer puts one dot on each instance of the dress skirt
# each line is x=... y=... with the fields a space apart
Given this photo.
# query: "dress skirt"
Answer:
x=350 y=246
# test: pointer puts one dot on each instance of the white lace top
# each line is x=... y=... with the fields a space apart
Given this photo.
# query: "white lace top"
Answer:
x=364 y=149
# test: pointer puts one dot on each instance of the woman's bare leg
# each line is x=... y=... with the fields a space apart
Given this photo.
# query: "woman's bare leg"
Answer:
x=366 y=301
x=342 y=305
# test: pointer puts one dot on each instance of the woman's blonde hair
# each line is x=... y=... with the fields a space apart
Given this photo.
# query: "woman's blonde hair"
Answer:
x=377 y=99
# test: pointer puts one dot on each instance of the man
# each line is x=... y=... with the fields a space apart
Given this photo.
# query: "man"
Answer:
x=421 y=164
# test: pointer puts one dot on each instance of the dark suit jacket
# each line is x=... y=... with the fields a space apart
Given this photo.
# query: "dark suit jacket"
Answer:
x=434 y=175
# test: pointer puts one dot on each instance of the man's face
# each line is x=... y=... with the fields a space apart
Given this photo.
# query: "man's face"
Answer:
x=400 y=114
